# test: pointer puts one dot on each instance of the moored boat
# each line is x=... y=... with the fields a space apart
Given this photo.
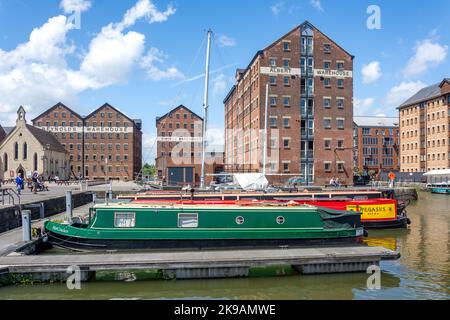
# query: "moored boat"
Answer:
x=440 y=188
x=375 y=213
x=140 y=226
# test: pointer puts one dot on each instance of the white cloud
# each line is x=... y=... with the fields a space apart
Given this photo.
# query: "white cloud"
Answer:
x=156 y=56
x=220 y=84
x=316 y=4
x=277 y=8
x=428 y=53
x=36 y=73
x=399 y=94
x=70 y=6
x=363 y=107
x=111 y=57
x=201 y=76
x=225 y=41
x=145 y=9
x=371 y=72
x=365 y=103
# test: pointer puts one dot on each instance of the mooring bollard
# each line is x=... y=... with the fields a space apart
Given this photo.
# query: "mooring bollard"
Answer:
x=41 y=210
x=26 y=225
x=69 y=206
x=110 y=192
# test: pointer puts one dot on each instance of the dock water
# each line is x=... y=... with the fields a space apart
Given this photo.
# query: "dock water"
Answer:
x=19 y=261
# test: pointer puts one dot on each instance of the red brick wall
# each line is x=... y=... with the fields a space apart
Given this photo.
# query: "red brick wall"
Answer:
x=96 y=167
x=247 y=91
x=182 y=118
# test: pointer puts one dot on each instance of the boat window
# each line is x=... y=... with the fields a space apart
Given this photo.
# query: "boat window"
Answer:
x=124 y=220
x=188 y=220
x=240 y=220
x=280 y=220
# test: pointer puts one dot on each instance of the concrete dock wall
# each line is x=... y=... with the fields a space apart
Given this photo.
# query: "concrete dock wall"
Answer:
x=10 y=216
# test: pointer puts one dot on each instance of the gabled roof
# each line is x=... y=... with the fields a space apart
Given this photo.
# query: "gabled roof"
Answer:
x=8 y=129
x=158 y=119
x=422 y=95
x=46 y=139
x=306 y=23
x=107 y=105
x=2 y=134
x=376 y=121
x=446 y=80
x=59 y=104
x=260 y=52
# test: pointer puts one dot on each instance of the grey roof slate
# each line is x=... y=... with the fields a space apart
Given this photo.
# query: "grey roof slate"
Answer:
x=376 y=121
x=47 y=139
x=423 y=94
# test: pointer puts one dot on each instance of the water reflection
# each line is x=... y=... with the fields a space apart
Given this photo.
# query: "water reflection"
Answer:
x=422 y=272
x=275 y=288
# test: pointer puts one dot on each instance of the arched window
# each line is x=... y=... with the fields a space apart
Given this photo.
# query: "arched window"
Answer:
x=35 y=162
x=16 y=151
x=25 y=151
x=5 y=162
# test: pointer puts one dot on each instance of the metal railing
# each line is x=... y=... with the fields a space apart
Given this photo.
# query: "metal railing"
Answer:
x=11 y=195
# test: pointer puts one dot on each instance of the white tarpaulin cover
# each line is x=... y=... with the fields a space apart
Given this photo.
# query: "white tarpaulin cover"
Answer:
x=251 y=181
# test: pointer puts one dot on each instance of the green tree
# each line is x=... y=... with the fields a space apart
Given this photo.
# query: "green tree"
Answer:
x=149 y=170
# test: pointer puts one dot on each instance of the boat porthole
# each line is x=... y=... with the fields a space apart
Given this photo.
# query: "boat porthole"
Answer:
x=240 y=220
x=280 y=220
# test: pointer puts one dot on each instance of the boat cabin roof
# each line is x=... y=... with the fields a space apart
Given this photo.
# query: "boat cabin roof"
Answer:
x=138 y=206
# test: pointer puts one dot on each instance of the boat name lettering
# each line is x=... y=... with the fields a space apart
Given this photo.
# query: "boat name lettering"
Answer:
x=375 y=211
x=59 y=229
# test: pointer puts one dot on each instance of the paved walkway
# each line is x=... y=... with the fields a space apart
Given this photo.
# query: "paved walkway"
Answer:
x=13 y=238
x=27 y=196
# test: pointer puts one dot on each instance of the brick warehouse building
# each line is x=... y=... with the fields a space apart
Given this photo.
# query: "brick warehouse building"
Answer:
x=310 y=117
x=425 y=129
x=106 y=143
x=377 y=144
x=179 y=149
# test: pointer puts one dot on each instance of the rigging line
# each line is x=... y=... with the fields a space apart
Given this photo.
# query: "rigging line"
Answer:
x=147 y=156
x=219 y=52
x=189 y=73
x=144 y=159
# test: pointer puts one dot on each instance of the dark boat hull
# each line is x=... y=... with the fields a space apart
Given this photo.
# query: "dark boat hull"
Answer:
x=72 y=243
x=401 y=222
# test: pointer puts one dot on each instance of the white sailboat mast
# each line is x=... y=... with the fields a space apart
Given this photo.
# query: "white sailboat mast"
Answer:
x=205 y=105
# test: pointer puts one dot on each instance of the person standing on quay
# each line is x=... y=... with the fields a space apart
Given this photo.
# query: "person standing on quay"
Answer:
x=19 y=183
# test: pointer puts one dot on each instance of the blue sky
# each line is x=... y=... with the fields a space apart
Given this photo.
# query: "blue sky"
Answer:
x=142 y=55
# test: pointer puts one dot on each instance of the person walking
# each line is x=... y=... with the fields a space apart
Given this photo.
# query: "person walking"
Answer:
x=19 y=183
x=34 y=180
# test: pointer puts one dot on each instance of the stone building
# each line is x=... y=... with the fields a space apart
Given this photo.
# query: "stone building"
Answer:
x=104 y=144
x=179 y=149
x=425 y=128
x=27 y=149
x=310 y=112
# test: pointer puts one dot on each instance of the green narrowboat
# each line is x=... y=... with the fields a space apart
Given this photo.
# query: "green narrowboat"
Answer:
x=136 y=226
